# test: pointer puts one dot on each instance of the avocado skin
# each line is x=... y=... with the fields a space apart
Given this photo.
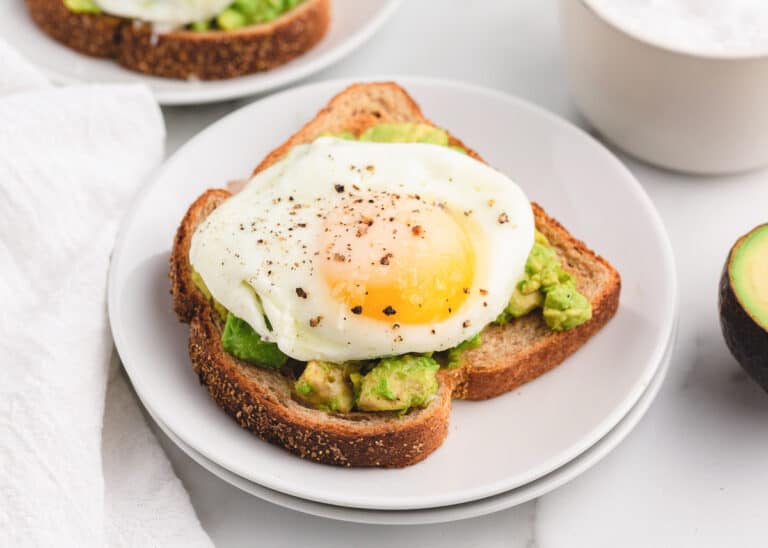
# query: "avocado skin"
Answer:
x=747 y=341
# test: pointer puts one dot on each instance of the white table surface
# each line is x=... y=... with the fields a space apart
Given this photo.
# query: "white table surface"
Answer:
x=695 y=471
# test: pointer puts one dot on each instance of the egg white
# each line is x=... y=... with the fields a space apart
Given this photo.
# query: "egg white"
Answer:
x=254 y=280
x=166 y=12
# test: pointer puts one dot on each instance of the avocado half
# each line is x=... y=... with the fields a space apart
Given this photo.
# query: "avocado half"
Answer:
x=743 y=303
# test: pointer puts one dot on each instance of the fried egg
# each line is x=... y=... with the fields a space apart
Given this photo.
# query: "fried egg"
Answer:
x=166 y=12
x=350 y=250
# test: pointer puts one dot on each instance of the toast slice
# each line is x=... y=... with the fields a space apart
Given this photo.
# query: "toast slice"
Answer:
x=509 y=355
x=209 y=55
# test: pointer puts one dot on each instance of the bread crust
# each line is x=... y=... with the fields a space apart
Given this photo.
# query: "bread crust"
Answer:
x=210 y=55
x=509 y=355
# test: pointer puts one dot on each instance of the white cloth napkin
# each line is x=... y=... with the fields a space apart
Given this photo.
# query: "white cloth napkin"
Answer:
x=73 y=471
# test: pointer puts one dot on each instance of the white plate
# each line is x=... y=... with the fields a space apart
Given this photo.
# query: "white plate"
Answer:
x=474 y=509
x=352 y=23
x=493 y=446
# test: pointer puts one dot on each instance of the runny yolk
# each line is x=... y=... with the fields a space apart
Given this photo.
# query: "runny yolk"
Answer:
x=401 y=259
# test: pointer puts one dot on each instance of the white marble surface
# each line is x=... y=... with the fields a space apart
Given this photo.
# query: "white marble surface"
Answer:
x=695 y=471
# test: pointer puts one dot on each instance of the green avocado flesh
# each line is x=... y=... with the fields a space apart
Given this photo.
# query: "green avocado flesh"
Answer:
x=239 y=14
x=400 y=383
x=405 y=133
x=240 y=340
x=82 y=6
x=547 y=286
x=743 y=303
x=327 y=386
x=749 y=274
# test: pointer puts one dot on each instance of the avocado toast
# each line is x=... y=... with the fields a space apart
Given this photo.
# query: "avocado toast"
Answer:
x=202 y=50
x=267 y=401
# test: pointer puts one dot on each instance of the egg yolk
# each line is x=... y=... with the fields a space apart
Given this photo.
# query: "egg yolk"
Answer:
x=401 y=259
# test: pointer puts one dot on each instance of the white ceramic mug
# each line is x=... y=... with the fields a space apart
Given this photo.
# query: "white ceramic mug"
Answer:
x=696 y=113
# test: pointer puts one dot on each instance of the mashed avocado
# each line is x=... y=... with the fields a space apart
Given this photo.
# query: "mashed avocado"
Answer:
x=565 y=308
x=240 y=340
x=398 y=383
x=405 y=133
x=82 y=6
x=545 y=284
x=326 y=386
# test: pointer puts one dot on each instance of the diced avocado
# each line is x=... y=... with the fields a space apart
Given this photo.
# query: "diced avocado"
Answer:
x=743 y=303
x=82 y=6
x=326 y=386
x=545 y=284
x=405 y=133
x=542 y=270
x=521 y=304
x=231 y=19
x=197 y=279
x=399 y=383
x=565 y=308
x=240 y=340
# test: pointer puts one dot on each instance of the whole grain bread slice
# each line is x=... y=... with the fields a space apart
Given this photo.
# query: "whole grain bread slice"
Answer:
x=509 y=356
x=209 y=55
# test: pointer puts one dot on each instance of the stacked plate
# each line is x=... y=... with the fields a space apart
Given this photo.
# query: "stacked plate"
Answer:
x=498 y=453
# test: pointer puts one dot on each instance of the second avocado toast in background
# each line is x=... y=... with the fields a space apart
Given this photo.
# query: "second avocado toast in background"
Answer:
x=308 y=408
x=244 y=37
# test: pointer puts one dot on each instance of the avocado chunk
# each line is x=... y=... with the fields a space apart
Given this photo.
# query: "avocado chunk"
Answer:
x=231 y=19
x=326 y=386
x=743 y=303
x=546 y=285
x=405 y=133
x=82 y=6
x=398 y=383
x=240 y=340
x=521 y=303
x=565 y=308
